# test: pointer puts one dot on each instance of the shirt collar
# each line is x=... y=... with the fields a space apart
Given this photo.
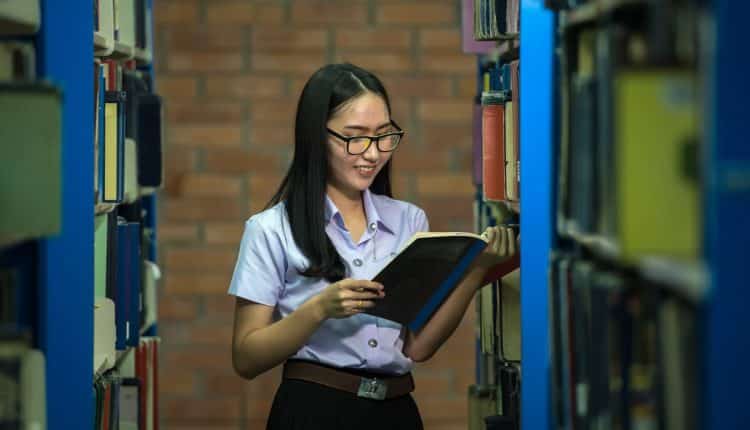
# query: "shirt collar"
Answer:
x=371 y=211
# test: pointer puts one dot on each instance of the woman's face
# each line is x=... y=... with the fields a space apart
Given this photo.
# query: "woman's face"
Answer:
x=365 y=115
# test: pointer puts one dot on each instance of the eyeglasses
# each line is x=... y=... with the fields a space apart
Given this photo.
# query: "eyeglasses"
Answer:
x=387 y=142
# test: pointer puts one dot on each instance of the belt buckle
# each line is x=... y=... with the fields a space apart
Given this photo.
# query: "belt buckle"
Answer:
x=372 y=388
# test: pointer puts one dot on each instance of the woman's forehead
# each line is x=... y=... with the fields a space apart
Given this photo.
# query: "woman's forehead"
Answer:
x=367 y=109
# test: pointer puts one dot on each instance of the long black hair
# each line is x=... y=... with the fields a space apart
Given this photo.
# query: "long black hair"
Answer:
x=304 y=186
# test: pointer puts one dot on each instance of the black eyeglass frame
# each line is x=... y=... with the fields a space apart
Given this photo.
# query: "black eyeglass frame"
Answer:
x=400 y=132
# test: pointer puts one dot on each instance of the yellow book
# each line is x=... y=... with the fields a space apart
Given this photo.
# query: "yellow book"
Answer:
x=655 y=139
x=111 y=167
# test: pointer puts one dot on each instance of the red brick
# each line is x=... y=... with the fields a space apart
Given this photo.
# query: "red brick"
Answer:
x=446 y=110
x=177 y=381
x=351 y=12
x=210 y=335
x=179 y=424
x=437 y=136
x=445 y=185
x=404 y=86
x=210 y=185
x=380 y=39
x=262 y=188
x=220 y=307
x=201 y=61
x=177 y=233
x=430 y=383
x=380 y=61
x=198 y=37
x=204 y=112
x=458 y=63
x=415 y=160
x=423 y=12
x=453 y=408
x=180 y=161
x=436 y=40
x=244 y=12
x=205 y=135
x=202 y=209
x=234 y=87
x=224 y=233
x=272 y=136
x=176 y=11
x=401 y=112
x=401 y=184
x=222 y=385
x=304 y=64
x=196 y=283
x=178 y=308
x=276 y=39
x=446 y=424
x=175 y=88
x=238 y=160
x=268 y=111
x=203 y=260
x=210 y=408
x=467 y=86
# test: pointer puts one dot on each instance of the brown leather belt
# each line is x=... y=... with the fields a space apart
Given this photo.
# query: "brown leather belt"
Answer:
x=372 y=386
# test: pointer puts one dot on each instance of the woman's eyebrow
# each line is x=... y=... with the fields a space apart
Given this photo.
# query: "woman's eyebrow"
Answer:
x=363 y=128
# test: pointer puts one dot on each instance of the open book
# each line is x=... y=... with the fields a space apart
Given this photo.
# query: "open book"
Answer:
x=424 y=273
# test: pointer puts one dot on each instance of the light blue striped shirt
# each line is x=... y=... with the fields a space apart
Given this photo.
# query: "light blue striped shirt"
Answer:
x=267 y=267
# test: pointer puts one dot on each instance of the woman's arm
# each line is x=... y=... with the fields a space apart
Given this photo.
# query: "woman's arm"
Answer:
x=423 y=345
x=259 y=344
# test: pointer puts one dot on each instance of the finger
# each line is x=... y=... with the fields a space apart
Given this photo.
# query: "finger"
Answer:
x=363 y=285
x=503 y=251
x=511 y=242
x=367 y=295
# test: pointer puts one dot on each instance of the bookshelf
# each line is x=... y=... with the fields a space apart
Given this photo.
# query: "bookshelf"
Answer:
x=492 y=36
x=63 y=279
x=537 y=131
x=670 y=304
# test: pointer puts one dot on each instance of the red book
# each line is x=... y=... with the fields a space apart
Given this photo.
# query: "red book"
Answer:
x=493 y=151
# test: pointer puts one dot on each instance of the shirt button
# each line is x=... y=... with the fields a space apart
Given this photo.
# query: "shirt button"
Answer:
x=373 y=226
x=373 y=343
x=357 y=262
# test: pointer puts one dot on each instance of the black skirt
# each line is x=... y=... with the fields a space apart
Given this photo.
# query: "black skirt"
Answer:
x=302 y=405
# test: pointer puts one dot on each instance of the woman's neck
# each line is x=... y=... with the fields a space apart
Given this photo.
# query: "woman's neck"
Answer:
x=349 y=204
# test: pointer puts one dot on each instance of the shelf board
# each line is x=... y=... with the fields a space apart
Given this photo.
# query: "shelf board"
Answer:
x=506 y=36
x=603 y=246
x=122 y=52
x=143 y=56
x=17 y=20
x=103 y=46
x=686 y=279
x=591 y=12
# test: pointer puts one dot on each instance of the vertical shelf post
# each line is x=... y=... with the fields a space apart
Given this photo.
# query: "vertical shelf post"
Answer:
x=536 y=195
x=728 y=222
x=66 y=262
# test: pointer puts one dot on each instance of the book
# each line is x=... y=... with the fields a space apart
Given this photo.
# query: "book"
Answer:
x=423 y=274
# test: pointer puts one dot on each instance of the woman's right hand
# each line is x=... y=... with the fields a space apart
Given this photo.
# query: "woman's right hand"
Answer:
x=348 y=297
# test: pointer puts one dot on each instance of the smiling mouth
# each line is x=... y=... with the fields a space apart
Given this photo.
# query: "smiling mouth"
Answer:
x=365 y=169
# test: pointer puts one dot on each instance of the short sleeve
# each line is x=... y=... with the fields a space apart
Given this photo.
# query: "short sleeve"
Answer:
x=259 y=271
x=419 y=221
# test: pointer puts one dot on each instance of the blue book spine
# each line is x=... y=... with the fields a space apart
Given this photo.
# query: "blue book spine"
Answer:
x=134 y=274
x=122 y=303
x=445 y=288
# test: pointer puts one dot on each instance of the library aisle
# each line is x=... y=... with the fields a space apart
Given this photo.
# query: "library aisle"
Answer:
x=138 y=136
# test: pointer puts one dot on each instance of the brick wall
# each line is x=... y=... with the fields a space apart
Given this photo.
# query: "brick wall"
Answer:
x=231 y=73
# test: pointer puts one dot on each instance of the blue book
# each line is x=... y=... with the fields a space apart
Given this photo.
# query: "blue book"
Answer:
x=127 y=300
x=420 y=277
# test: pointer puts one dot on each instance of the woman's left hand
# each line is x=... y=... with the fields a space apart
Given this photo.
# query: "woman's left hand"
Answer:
x=502 y=245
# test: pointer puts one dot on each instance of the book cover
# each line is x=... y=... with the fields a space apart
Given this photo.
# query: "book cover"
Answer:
x=422 y=275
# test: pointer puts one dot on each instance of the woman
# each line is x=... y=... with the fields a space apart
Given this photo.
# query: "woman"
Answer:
x=302 y=270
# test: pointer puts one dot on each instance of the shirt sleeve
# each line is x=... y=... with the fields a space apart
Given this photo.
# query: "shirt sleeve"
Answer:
x=259 y=271
x=419 y=221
